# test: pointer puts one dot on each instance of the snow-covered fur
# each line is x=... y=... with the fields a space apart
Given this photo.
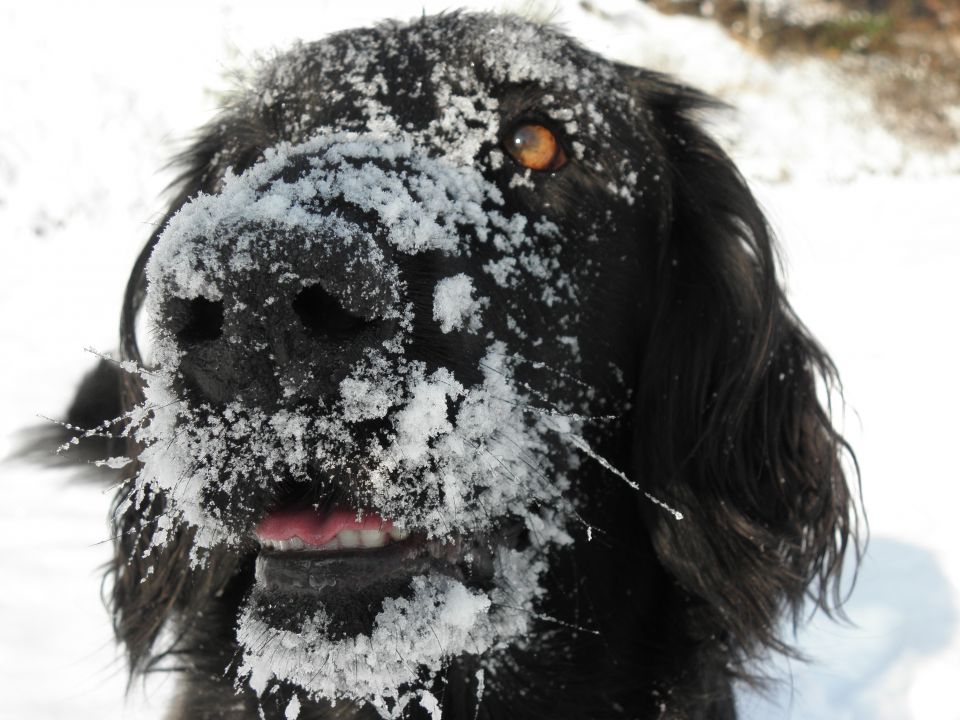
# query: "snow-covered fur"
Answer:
x=571 y=377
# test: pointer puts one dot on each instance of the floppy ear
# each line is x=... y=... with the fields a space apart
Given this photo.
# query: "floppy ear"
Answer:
x=729 y=425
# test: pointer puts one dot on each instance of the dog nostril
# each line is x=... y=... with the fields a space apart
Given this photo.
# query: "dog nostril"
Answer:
x=200 y=320
x=322 y=314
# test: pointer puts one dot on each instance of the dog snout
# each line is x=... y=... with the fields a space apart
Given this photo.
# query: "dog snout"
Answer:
x=271 y=291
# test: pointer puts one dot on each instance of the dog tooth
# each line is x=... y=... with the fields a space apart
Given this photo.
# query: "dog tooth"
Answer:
x=333 y=544
x=349 y=538
x=398 y=534
x=297 y=544
x=372 y=538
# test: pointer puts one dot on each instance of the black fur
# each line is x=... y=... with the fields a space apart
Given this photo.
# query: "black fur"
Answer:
x=725 y=422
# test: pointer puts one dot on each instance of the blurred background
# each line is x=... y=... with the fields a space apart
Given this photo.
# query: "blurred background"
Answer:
x=845 y=119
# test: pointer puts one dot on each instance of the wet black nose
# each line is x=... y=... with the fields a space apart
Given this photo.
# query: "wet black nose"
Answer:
x=199 y=320
x=284 y=328
x=268 y=349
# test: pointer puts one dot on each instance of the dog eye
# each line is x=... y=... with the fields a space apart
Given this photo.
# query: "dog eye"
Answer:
x=536 y=147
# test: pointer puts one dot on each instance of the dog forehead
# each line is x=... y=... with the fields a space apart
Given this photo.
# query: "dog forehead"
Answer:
x=440 y=72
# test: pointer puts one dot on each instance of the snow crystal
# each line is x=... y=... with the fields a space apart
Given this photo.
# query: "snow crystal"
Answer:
x=424 y=417
x=114 y=463
x=363 y=399
x=454 y=306
x=480 y=686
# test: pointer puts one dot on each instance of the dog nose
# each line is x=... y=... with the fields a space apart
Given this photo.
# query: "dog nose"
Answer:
x=320 y=314
x=271 y=323
x=268 y=351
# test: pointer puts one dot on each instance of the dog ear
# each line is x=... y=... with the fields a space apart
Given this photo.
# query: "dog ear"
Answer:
x=730 y=421
x=87 y=435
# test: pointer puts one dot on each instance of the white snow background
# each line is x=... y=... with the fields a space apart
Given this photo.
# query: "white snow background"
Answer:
x=96 y=97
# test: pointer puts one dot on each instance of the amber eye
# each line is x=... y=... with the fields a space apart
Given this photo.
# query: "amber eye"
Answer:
x=535 y=147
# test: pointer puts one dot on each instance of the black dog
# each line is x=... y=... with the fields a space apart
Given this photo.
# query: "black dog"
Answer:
x=474 y=393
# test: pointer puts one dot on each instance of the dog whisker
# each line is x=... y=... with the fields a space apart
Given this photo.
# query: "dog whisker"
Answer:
x=552 y=620
x=581 y=444
x=129 y=366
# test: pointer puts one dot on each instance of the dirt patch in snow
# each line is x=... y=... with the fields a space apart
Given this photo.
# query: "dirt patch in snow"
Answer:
x=904 y=54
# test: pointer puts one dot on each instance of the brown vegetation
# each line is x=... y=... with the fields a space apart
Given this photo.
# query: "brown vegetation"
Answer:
x=907 y=51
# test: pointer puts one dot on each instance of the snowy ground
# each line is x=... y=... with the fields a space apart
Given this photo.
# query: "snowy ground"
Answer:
x=97 y=96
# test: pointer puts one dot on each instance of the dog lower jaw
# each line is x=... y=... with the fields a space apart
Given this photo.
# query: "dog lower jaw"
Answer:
x=382 y=625
x=350 y=585
x=361 y=568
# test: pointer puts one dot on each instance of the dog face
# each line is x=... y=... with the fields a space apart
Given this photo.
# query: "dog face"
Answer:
x=427 y=300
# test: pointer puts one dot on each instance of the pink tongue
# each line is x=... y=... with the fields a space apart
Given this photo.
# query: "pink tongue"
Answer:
x=316 y=529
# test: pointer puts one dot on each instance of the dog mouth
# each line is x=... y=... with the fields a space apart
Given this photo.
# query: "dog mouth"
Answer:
x=349 y=561
x=339 y=530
